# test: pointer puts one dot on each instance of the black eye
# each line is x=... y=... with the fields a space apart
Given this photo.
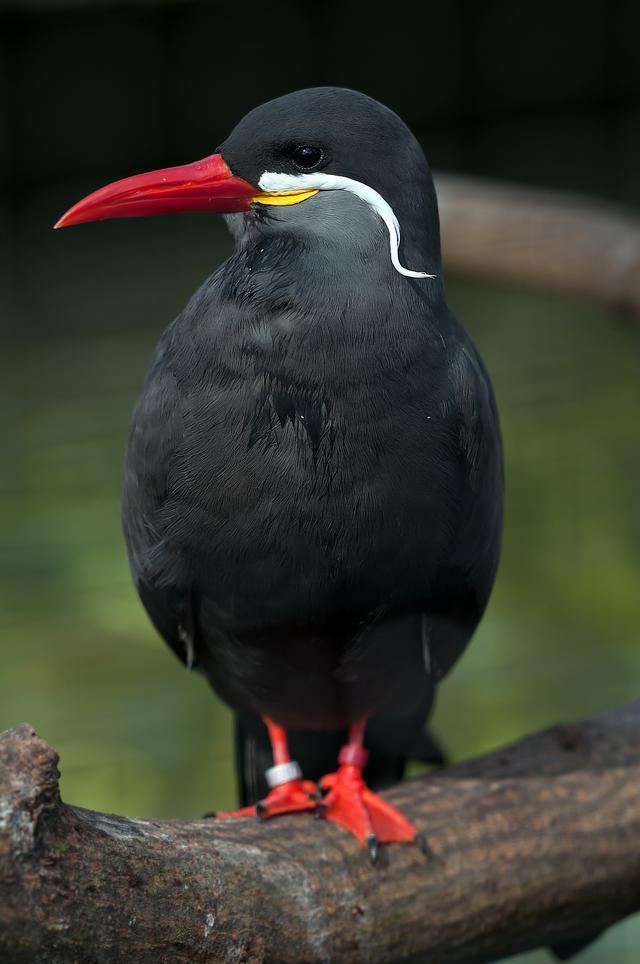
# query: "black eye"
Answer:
x=305 y=156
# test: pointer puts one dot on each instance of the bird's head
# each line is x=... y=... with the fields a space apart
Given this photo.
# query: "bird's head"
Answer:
x=294 y=162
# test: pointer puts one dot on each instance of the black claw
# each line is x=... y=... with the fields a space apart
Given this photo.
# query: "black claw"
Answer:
x=421 y=841
x=320 y=811
x=209 y=815
x=261 y=809
x=372 y=847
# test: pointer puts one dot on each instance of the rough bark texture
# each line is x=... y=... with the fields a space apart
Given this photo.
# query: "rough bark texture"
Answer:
x=552 y=240
x=532 y=845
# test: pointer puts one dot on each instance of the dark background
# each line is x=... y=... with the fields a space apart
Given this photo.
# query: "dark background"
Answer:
x=541 y=93
x=547 y=93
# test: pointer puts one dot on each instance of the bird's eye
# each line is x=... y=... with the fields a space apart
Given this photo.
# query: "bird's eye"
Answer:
x=305 y=156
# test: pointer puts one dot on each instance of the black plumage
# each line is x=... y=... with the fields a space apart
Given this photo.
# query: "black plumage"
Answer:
x=313 y=483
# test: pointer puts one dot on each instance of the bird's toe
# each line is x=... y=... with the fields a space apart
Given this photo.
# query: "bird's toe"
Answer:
x=351 y=804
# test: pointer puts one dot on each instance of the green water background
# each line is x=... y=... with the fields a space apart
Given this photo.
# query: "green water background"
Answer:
x=137 y=734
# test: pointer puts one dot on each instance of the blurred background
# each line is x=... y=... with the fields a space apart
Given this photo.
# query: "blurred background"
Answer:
x=541 y=93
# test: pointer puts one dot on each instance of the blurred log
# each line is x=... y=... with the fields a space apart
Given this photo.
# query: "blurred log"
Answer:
x=502 y=232
x=532 y=845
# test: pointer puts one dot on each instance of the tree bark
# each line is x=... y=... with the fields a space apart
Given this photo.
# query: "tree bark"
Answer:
x=563 y=242
x=532 y=845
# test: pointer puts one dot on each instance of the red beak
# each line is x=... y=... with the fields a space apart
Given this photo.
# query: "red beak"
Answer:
x=206 y=185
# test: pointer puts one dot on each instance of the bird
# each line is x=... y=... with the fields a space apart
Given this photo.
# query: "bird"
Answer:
x=313 y=485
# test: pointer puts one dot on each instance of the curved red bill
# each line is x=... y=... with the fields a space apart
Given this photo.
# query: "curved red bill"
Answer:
x=206 y=185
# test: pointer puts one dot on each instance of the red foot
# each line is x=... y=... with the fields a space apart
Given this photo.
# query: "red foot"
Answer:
x=294 y=796
x=371 y=819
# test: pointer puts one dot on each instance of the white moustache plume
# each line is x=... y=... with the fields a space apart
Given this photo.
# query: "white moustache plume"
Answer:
x=271 y=182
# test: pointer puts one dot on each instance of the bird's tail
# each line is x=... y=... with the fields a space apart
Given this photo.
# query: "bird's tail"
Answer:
x=391 y=744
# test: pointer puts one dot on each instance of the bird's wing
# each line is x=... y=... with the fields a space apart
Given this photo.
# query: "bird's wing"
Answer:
x=153 y=451
x=463 y=586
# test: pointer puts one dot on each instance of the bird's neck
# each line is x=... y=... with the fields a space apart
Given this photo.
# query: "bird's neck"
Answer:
x=305 y=318
x=334 y=271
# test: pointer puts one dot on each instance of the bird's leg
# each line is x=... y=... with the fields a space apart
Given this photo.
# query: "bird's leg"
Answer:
x=288 y=793
x=350 y=803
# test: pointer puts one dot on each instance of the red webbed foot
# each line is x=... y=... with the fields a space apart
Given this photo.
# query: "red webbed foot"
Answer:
x=292 y=796
x=352 y=805
x=288 y=793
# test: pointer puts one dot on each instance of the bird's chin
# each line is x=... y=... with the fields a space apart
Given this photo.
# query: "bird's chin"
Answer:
x=241 y=226
x=260 y=219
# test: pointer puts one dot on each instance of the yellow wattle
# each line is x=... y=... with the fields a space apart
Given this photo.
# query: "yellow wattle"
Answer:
x=292 y=198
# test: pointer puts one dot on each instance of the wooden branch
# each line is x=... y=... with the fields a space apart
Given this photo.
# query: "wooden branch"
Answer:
x=563 y=242
x=533 y=844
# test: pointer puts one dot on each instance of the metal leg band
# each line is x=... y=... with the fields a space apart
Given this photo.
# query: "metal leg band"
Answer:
x=283 y=773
